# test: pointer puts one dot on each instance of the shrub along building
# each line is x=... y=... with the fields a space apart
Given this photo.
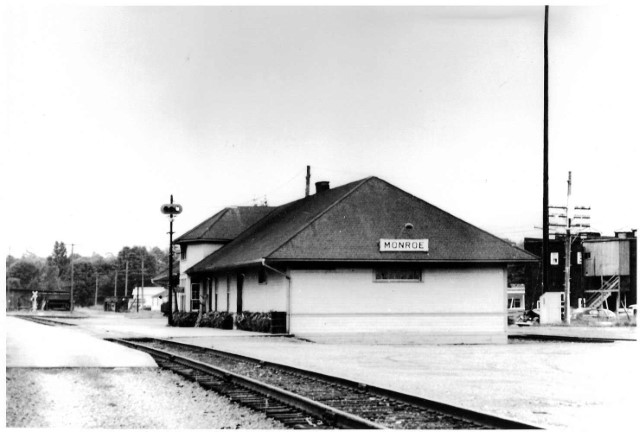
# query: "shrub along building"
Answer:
x=365 y=259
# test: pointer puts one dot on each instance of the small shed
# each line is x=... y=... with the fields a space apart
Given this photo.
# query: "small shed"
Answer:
x=145 y=296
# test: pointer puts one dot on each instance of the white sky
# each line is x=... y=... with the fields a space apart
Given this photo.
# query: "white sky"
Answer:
x=109 y=110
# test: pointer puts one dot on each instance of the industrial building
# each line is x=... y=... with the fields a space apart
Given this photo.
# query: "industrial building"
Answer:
x=603 y=270
x=365 y=259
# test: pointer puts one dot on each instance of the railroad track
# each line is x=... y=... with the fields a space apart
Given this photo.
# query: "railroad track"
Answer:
x=293 y=410
x=321 y=401
x=43 y=320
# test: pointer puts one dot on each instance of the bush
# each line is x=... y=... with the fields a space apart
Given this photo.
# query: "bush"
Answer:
x=260 y=322
x=184 y=319
x=222 y=320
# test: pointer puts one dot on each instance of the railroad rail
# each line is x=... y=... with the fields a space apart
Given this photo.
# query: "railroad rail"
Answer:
x=335 y=402
x=44 y=320
x=293 y=410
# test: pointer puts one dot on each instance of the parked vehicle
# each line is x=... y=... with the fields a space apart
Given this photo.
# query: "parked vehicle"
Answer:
x=593 y=315
x=528 y=318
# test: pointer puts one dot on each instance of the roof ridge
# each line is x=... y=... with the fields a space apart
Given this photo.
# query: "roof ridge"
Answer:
x=461 y=220
x=305 y=226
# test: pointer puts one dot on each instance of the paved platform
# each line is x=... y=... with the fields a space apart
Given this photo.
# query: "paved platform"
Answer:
x=620 y=333
x=35 y=345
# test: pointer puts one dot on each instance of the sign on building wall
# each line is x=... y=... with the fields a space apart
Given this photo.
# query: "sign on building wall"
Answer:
x=404 y=245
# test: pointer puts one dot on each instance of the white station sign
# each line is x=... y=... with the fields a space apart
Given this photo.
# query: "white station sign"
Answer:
x=404 y=245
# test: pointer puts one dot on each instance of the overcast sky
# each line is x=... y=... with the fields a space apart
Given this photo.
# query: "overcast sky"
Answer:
x=109 y=110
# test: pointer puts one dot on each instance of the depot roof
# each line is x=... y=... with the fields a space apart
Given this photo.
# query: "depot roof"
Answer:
x=225 y=225
x=346 y=224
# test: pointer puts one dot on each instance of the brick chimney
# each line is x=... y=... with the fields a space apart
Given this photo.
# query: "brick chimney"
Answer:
x=322 y=186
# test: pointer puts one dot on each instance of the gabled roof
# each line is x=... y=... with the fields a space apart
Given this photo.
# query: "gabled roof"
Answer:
x=345 y=224
x=162 y=277
x=225 y=225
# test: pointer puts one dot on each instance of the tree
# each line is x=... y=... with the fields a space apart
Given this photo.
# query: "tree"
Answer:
x=135 y=256
x=10 y=260
x=59 y=259
x=49 y=278
x=83 y=282
x=161 y=256
x=27 y=272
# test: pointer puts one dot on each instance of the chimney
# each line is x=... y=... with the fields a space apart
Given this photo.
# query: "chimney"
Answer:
x=322 y=186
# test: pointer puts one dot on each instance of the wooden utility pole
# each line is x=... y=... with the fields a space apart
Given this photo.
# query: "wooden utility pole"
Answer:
x=567 y=258
x=126 y=278
x=142 y=280
x=95 y=302
x=71 y=293
x=545 y=174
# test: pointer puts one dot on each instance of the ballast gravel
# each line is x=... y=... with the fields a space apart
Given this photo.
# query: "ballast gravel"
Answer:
x=120 y=398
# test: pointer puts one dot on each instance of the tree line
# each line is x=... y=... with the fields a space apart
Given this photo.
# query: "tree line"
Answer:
x=113 y=275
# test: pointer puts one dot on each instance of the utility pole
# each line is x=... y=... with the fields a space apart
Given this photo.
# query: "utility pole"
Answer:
x=306 y=190
x=567 y=258
x=126 y=278
x=95 y=302
x=71 y=293
x=575 y=219
x=115 y=285
x=545 y=174
x=142 y=280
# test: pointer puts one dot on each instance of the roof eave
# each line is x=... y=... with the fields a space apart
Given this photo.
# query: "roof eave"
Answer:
x=204 y=240
x=252 y=263
x=213 y=269
x=422 y=261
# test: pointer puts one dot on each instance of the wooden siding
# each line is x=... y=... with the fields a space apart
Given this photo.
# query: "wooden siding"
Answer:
x=441 y=290
x=607 y=258
x=445 y=323
x=445 y=302
x=264 y=297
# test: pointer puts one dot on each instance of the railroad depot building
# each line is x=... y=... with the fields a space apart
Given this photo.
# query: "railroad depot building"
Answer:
x=363 y=260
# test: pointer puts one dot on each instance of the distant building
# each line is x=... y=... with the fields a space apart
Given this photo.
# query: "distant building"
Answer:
x=515 y=301
x=146 y=298
x=365 y=259
x=603 y=270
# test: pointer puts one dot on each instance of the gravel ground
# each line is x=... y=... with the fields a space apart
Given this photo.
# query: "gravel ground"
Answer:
x=119 y=398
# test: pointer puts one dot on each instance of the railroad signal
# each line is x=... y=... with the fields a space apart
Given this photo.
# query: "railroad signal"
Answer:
x=171 y=209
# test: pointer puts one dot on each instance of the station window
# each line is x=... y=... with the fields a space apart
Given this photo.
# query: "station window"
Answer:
x=195 y=296
x=393 y=274
x=262 y=275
